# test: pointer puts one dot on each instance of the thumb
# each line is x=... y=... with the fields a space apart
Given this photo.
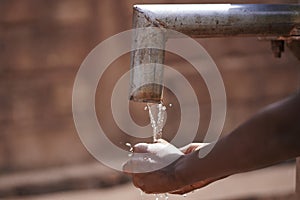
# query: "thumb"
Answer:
x=162 y=141
x=144 y=147
x=140 y=148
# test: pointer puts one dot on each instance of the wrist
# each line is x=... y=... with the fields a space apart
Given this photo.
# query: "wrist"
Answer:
x=190 y=168
x=180 y=171
x=183 y=170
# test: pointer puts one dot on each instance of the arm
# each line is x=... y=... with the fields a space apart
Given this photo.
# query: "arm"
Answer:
x=271 y=136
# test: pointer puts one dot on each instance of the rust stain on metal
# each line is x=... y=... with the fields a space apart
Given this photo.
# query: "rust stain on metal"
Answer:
x=161 y=23
x=148 y=93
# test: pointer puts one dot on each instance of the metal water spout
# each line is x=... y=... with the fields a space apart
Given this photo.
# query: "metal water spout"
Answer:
x=274 y=22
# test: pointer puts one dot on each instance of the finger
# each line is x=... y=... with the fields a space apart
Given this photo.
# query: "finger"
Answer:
x=145 y=147
x=127 y=167
x=192 y=147
x=140 y=148
x=183 y=190
x=138 y=182
x=162 y=141
x=133 y=164
x=189 y=148
x=189 y=188
x=139 y=164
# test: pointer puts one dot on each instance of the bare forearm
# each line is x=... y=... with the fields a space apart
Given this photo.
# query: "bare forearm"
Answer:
x=271 y=136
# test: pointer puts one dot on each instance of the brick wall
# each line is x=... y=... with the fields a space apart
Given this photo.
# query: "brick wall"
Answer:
x=42 y=44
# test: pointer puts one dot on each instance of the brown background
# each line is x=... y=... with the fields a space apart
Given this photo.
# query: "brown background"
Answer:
x=42 y=44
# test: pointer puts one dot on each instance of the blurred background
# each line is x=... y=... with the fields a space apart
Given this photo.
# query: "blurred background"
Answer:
x=42 y=45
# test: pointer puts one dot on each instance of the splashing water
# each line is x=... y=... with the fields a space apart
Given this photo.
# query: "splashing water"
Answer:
x=130 y=154
x=161 y=196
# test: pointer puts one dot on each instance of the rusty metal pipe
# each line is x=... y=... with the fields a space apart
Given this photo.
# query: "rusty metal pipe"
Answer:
x=201 y=20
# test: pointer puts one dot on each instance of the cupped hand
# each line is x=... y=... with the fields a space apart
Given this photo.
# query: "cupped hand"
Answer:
x=152 y=167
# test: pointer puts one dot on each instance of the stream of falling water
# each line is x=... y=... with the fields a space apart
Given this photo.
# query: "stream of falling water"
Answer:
x=157 y=115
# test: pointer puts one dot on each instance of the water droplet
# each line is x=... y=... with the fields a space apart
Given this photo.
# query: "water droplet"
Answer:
x=166 y=196
x=130 y=148
x=128 y=144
